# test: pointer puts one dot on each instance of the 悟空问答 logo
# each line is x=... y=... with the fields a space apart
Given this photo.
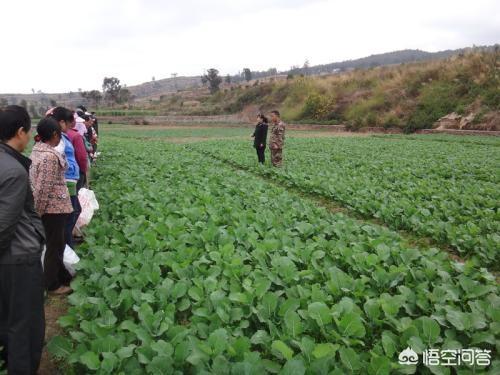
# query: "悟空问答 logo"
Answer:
x=408 y=357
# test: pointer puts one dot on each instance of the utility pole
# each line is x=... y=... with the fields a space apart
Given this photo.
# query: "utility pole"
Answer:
x=174 y=76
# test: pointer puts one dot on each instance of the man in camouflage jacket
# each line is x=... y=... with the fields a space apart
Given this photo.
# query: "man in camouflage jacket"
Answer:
x=277 y=139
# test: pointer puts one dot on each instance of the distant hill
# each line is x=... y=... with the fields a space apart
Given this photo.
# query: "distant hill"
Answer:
x=156 y=89
x=389 y=58
x=372 y=61
x=408 y=96
x=164 y=86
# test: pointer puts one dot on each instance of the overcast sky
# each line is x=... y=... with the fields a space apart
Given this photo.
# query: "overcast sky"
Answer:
x=63 y=45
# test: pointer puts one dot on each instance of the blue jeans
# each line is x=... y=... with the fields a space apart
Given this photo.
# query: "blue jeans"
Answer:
x=71 y=222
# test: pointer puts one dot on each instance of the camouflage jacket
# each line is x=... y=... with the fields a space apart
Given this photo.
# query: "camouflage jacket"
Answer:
x=277 y=139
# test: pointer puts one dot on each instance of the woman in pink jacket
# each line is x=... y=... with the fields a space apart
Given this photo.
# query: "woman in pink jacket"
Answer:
x=52 y=202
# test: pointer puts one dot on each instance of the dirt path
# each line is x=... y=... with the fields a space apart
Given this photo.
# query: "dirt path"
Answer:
x=55 y=306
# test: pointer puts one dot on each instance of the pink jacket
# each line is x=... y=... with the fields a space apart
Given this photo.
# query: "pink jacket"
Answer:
x=80 y=126
x=47 y=181
x=80 y=151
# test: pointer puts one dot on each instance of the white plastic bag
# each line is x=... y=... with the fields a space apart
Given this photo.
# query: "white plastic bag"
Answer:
x=89 y=204
x=70 y=259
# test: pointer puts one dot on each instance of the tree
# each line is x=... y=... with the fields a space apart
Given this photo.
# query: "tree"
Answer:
x=85 y=94
x=23 y=103
x=228 y=79
x=306 y=66
x=53 y=103
x=213 y=79
x=247 y=73
x=95 y=96
x=111 y=88
x=174 y=77
x=32 y=110
x=124 y=96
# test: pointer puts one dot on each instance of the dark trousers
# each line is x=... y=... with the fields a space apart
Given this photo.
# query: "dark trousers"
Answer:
x=72 y=219
x=22 y=320
x=81 y=181
x=55 y=274
x=261 y=154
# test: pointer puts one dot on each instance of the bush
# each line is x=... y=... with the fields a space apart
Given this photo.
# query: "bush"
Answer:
x=253 y=95
x=391 y=121
x=480 y=117
x=491 y=98
x=318 y=107
x=364 y=112
x=312 y=106
x=436 y=101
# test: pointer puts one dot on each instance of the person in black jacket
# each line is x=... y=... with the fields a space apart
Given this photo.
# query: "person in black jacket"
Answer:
x=22 y=235
x=260 y=137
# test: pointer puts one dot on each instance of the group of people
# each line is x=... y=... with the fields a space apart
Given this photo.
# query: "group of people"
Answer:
x=39 y=209
x=276 y=140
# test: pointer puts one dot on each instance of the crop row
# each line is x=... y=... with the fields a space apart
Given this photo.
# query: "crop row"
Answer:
x=191 y=267
x=443 y=190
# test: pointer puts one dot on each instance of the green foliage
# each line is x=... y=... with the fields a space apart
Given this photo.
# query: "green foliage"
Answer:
x=94 y=96
x=443 y=191
x=238 y=275
x=436 y=100
x=491 y=96
x=363 y=113
x=318 y=107
x=391 y=121
x=252 y=95
x=112 y=88
x=213 y=79
x=247 y=74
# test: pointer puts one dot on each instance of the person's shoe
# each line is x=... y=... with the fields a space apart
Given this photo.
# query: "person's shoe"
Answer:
x=62 y=291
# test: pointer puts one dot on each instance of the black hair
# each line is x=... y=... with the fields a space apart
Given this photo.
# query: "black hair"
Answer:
x=12 y=118
x=62 y=114
x=263 y=118
x=276 y=112
x=47 y=127
x=82 y=107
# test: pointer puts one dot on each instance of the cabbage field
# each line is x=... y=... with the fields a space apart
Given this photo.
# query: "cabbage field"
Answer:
x=447 y=190
x=202 y=262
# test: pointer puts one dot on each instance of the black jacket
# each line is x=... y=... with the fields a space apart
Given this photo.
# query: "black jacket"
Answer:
x=260 y=135
x=21 y=230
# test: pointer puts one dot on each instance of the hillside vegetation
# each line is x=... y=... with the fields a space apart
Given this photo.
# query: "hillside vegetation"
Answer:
x=409 y=96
